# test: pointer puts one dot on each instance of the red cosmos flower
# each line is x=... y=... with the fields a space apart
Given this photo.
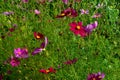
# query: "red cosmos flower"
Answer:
x=69 y=62
x=49 y=70
x=77 y=28
x=68 y=12
x=38 y=35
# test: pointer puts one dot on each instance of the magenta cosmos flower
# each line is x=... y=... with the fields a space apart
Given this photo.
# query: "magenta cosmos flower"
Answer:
x=41 y=48
x=36 y=11
x=14 y=61
x=65 y=1
x=96 y=76
x=69 y=62
x=25 y=1
x=78 y=29
x=90 y=27
x=68 y=12
x=84 y=11
x=21 y=53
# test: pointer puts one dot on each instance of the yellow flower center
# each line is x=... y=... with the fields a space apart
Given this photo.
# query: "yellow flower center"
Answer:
x=19 y=52
x=47 y=71
x=62 y=14
x=77 y=27
x=100 y=77
x=94 y=79
x=37 y=36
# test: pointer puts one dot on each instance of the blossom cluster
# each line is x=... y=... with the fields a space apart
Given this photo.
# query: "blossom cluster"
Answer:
x=76 y=27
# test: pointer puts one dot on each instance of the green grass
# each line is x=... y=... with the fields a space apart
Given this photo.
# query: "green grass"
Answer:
x=99 y=52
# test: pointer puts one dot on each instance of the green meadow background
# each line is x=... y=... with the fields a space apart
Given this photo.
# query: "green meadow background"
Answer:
x=98 y=52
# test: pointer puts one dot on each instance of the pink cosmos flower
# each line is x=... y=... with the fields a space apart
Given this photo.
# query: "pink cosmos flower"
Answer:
x=78 y=29
x=96 y=76
x=21 y=53
x=90 y=27
x=14 y=61
x=41 y=48
x=25 y=1
x=8 y=13
x=36 y=11
x=97 y=15
x=84 y=11
x=65 y=1
x=68 y=12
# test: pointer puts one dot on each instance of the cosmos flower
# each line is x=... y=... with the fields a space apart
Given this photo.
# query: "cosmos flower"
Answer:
x=96 y=76
x=99 y=6
x=84 y=11
x=90 y=27
x=25 y=1
x=11 y=29
x=68 y=12
x=78 y=29
x=36 y=11
x=38 y=35
x=49 y=70
x=14 y=61
x=8 y=13
x=69 y=62
x=21 y=53
x=1 y=77
x=50 y=0
x=65 y=1
x=97 y=15
x=41 y=48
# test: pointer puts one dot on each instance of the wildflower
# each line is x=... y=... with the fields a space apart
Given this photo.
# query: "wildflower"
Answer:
x=21 y=53
x=77 y=28
x=89 y=28
x=50 y=0
x=41 y=48
x=68 y=12
x=65 y=1
x=69 y=62
x=99 y=6
x=96 y=76
x=38 y=35
x=36 y=11
x=11 y=29
x=1 y=77
x=97 y=15
x=84 y=11
x=14 y=25
x=8 y=13
x=14 y=61
x=25 y=1
x=49 y=70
